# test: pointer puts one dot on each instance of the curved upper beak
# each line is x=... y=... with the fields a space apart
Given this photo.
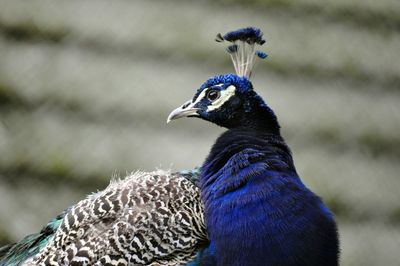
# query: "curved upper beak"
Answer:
x=187 y=109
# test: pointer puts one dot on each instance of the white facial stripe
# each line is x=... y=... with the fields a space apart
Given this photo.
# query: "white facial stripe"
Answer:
x=225 y=95
x=203 y=94
x=200 y=97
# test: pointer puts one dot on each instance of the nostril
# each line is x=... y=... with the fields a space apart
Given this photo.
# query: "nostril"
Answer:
x=185 y=105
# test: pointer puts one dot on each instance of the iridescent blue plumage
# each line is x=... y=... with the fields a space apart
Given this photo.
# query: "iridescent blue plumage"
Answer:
x=257 y=210
x=226 y=80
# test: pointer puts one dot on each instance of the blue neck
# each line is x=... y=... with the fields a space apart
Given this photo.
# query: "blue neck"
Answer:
x=257 y=210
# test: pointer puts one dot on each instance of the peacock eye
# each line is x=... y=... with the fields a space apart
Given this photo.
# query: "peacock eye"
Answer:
x=212 y=95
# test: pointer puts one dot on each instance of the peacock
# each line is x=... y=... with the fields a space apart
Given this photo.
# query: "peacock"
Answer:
x=246 y=204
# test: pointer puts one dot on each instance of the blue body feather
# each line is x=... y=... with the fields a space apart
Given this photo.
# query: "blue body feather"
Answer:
x=258 y=212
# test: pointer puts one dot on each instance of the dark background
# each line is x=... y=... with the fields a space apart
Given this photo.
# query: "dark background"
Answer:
x=86 y=87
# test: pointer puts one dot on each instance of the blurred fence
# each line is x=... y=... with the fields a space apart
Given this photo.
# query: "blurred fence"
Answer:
x=85 y=88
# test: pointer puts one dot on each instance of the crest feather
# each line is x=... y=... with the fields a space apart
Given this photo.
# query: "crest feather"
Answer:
x=242 y=48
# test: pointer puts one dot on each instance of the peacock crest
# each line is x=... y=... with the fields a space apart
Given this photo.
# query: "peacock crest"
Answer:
x=242 y=44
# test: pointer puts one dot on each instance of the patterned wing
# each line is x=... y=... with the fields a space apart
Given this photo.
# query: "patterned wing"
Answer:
x=146 y=219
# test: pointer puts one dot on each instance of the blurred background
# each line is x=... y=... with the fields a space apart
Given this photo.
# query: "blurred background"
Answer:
x=86 y=87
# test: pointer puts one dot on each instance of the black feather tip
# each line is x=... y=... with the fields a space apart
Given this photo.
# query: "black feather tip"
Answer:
x=232 y=48
x=219 y=38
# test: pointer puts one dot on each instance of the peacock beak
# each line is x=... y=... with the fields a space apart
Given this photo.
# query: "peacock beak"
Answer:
x=187 y=109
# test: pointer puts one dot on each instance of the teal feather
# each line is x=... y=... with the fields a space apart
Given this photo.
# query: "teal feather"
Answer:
x=16 y=254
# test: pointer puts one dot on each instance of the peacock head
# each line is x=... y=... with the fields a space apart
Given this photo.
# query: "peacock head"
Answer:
x=229 y=100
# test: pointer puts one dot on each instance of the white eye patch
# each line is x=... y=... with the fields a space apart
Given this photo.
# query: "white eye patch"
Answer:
x=225 y=96
x=203 y=94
